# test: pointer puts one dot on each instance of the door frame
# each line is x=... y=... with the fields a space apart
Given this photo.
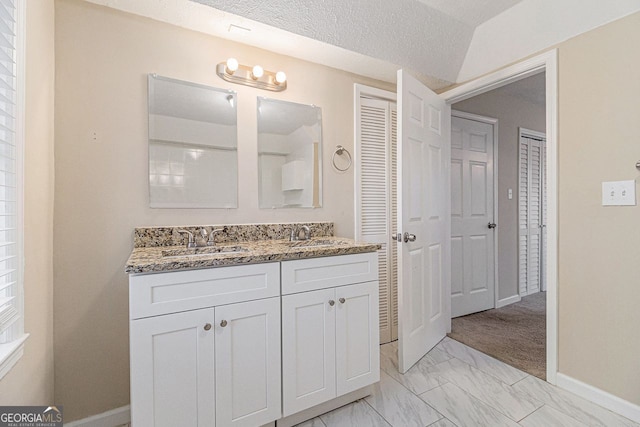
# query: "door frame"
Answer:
x=493 y=122
x=547 y=62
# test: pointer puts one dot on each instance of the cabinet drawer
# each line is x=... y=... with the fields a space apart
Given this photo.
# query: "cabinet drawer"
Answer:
x=162 y=293
x=318 y=273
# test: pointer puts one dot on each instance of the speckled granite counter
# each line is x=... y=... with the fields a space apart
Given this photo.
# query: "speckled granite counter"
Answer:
x=160 y=255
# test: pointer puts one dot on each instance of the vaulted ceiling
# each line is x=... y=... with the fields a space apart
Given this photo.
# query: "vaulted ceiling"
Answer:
x=429 y=37
x=439 y=41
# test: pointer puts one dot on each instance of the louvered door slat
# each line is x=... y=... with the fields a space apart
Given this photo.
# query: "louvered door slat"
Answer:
x=523 y=218
x=376 y=134
x=531 y=213
x=373 y=161
x=393 y=261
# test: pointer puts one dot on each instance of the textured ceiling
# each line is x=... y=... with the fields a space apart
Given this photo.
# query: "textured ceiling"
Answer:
x=471 y=12
x=436 y=40
x=405 y=32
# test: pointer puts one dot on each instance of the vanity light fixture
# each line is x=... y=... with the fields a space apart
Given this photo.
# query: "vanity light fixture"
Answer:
x=231 y=66
x=255 y=76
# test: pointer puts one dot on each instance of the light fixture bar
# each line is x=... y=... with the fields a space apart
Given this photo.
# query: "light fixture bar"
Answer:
x=244 y=76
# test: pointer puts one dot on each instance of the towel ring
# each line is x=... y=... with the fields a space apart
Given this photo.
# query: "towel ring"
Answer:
x=339 y=151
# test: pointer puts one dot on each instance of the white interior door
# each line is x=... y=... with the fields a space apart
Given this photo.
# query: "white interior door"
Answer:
x=424 y=218
x=376 y=148
x=531 y=212
x=472 y=216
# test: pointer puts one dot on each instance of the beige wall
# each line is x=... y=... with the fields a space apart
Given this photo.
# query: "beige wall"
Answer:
x=512 y=112
x=599 y=247
x=30 y=382
x=102 y=60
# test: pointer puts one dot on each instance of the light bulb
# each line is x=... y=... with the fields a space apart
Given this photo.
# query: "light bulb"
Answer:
x=257 y=72
x=232 y=65
x=281 y=77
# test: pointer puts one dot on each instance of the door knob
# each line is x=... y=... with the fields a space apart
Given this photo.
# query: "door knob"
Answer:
x=207 y=326
x=342 y=300
x=409 y=237
x=223 y=323
x=331 y=302
x=492 y=225
x=397 y=237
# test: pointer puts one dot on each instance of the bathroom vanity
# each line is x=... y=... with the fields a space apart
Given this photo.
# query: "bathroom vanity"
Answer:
x=264 y=331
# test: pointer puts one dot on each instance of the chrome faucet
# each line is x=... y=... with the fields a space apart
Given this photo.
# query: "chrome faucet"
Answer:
x=191 y=243
x=211 y=241
x=295 y=232
x=205 y=238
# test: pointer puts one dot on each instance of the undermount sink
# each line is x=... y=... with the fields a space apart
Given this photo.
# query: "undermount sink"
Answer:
x=313 y=243
x=209 y=250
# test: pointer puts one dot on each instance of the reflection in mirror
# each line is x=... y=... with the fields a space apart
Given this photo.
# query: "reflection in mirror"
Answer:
x=193 y=155
x=289 y=154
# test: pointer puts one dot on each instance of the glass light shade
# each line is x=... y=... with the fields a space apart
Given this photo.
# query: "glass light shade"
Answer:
x=232 y=64
x=257 y=72
x=281 y=77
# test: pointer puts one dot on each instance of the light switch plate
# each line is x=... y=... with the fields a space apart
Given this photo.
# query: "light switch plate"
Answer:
x=627 y=191
x=619 y=193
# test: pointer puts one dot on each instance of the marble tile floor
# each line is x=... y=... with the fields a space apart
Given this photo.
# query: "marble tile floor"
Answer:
x=455 y=385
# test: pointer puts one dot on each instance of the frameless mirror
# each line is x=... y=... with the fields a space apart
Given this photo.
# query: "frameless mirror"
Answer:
x=289 y=154
x=193 y=149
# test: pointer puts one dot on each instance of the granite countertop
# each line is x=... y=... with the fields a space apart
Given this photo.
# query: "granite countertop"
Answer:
x=175 y=258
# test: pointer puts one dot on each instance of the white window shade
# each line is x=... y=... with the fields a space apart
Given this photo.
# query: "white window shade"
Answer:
x=11 y=135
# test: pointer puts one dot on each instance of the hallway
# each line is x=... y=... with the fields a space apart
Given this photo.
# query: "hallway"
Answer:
x=515 y=334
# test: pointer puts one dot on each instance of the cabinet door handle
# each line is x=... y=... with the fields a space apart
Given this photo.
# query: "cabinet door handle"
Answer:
x=331 y=302
x=207 y=326
x=223 y=323
x=342 y=300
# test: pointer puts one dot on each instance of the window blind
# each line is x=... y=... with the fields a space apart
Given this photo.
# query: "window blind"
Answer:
x=10 y=306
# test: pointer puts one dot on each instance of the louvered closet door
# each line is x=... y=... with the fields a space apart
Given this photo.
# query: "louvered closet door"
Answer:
x=531 y=214
x=375 y=187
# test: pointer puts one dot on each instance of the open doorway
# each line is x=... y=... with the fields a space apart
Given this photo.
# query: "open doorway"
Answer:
x=499 y=223
x=435 y=110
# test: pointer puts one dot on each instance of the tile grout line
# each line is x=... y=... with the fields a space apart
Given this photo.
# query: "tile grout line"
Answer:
x=491 y=406
x=488 y=373
x=364 y=399
x=418 y=396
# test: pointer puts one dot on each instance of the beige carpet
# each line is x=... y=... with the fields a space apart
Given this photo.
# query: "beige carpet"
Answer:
x=515 y=334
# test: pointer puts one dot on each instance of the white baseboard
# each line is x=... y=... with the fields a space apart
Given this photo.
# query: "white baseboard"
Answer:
x=509 y=300
x=112 y=418
x=600 y=397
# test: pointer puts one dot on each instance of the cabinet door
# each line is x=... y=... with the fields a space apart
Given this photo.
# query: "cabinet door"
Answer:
x=308 y=343
x=248 y=363
x=357 y=337
x=172 y=380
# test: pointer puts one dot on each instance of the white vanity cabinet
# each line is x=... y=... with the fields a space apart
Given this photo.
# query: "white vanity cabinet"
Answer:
x=216 y=363
x=247 y=345
x=330 y=341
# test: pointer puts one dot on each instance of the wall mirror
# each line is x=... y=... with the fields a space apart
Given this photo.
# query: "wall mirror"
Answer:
x=193 y=148
x=289 y=154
